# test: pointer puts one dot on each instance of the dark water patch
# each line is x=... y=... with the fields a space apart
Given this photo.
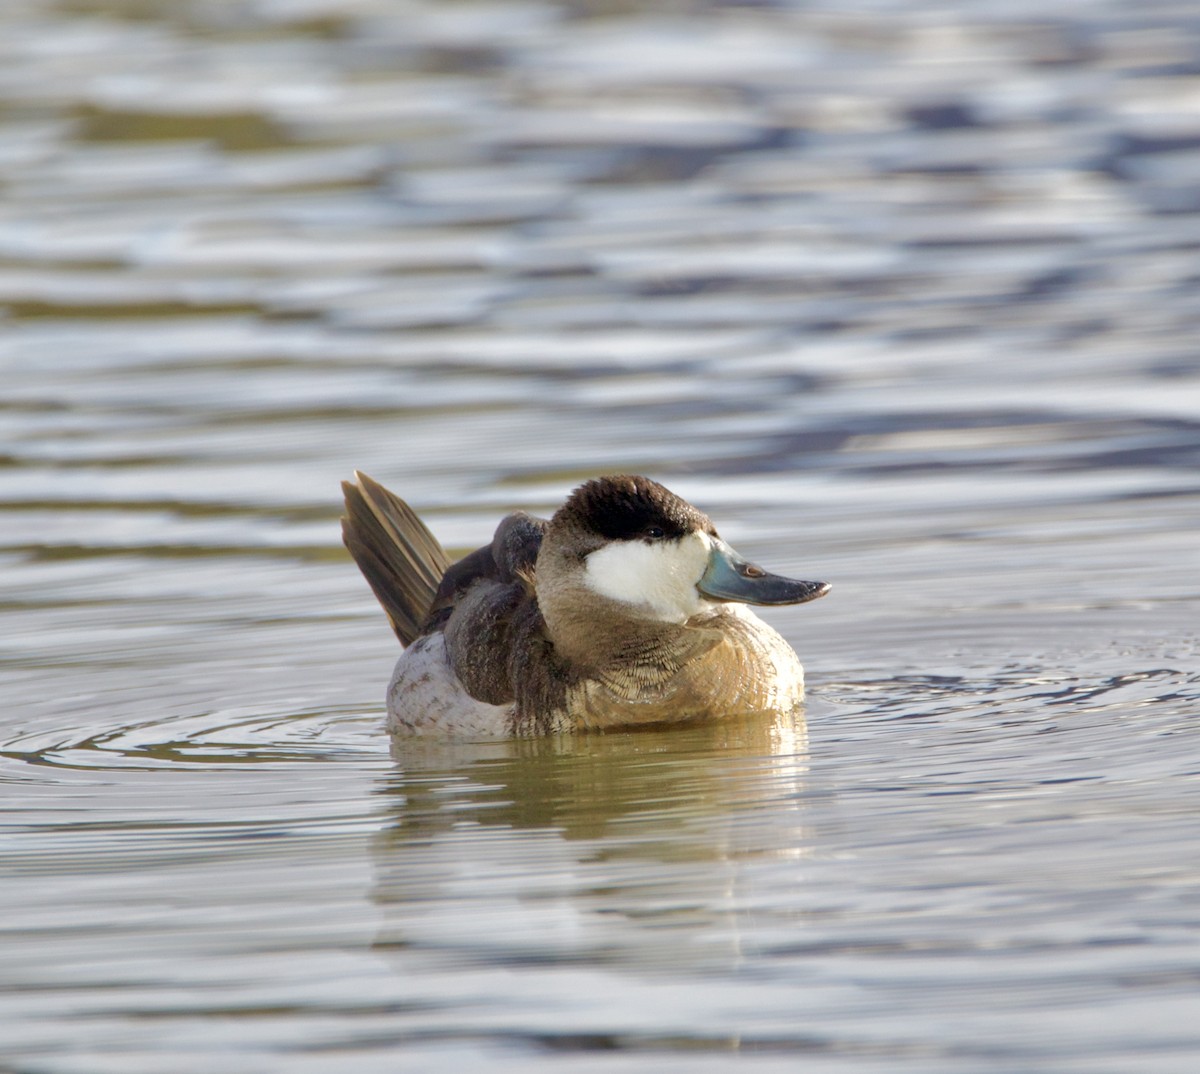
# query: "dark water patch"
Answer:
x=1055 y=282
x=943 y=115
x=181 y=508
x=912 y=442
x=34 y=310
x=232 y=130
x=51 y=553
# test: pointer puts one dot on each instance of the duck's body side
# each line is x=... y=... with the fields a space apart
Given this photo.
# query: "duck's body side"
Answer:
x=749 y=669
x=554 y=626
x=425 y=697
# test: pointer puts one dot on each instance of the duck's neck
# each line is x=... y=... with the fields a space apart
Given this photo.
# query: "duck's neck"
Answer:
x=592 y=632
x=594 y=636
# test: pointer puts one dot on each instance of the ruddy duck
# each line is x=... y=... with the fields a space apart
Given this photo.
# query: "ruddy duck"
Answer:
x=626 y=608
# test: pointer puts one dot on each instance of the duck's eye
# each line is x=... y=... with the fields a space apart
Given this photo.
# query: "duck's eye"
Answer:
x=654 y=533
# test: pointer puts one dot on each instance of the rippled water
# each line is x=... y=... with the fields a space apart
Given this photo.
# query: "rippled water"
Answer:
x=904 y=296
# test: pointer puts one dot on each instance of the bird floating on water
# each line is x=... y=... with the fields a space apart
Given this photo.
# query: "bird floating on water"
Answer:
x=624 y=609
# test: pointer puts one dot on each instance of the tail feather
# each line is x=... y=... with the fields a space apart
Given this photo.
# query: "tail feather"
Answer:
x=401 y=560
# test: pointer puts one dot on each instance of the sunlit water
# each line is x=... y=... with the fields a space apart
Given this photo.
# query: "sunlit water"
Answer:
x=905 y=298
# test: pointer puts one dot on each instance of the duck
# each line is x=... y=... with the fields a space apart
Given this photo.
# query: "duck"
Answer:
x=623 y=610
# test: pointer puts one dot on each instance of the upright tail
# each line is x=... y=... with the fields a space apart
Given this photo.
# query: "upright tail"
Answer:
x=394 y=549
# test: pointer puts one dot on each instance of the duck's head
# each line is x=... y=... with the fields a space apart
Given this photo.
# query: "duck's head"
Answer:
x=635 y=544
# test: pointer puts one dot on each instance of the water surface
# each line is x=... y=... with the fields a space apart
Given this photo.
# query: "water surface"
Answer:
x=903 y=297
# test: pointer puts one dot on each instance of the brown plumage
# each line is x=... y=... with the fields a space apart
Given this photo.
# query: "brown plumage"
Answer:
x=624 y=609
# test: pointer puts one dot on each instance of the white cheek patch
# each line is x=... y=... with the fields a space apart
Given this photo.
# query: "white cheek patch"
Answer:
x=658 y=578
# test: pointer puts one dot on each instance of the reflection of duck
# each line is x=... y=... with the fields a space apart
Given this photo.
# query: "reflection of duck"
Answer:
x=626 y=608
x=597 y=853
x=579 y=785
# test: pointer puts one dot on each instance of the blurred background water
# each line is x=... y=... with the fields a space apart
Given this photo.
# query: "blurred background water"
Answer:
x=904 y=295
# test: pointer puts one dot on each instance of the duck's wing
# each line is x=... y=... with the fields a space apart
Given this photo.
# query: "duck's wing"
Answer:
x=477 y=602
x=508 y=560
x=401 y=560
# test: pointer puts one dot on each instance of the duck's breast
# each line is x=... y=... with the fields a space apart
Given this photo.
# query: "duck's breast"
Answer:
x=761 y=669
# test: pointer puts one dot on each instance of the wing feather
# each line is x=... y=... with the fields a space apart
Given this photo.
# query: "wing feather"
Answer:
x=401 y=560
